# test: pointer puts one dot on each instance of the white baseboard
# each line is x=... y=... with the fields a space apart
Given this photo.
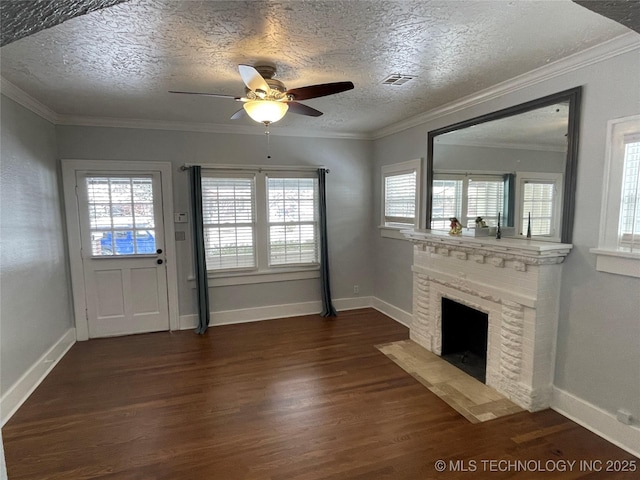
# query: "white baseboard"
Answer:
x=596 y=420
x=270 y=312
x=399 y=315
x=20 y=391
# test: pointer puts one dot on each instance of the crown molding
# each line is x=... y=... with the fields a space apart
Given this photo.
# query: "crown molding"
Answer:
x=27 y=101
x=616 y=46
x=146 y=124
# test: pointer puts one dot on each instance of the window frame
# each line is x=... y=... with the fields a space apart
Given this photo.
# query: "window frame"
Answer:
x=611 y=257
x=390 y=230
x=315 y=222
x=238 y=175
x=557 y=179
x=463 y=177
x=263 y=272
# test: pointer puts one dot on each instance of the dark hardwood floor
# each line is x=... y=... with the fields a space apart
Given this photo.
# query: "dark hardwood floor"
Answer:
x=299 y=398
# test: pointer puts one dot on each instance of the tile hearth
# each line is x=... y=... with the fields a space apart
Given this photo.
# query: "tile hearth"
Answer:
x=469 y=397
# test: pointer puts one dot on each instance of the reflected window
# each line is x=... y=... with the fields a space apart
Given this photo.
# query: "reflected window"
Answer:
x=540 y=199
x=466 y=197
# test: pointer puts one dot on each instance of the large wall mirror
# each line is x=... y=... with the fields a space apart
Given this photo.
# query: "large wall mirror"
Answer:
x=518 y=163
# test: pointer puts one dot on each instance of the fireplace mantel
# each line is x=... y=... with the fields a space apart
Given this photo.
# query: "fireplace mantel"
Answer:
x=516 y=282
x=529 y=252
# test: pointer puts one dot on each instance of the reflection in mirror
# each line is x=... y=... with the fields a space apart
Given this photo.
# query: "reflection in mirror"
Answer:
x=517 y=165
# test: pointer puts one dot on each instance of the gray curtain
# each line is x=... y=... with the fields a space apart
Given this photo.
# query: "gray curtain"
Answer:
x=509 y=200
x=200 y=267
x=327 y=307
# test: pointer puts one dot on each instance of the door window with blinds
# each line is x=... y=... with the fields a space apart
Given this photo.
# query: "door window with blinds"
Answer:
x=466 y=197
x=121 y=215
x=401 y=194
x=257 y=221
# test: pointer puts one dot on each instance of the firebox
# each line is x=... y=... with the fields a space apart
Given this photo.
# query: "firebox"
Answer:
x=464 y=338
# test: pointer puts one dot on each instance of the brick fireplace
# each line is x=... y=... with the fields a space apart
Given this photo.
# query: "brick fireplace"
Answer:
x=516 y=283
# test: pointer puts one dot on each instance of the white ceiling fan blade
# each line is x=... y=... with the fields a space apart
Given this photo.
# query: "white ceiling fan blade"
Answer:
x=252 y=79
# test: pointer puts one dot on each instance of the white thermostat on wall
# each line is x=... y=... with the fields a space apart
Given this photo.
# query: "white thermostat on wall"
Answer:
x=180 y=218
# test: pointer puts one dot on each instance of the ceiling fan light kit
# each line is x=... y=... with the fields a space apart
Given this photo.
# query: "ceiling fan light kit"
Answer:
x=265 y=111
x=267 y=100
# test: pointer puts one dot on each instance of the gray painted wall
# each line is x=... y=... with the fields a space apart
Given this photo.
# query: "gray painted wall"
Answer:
x=348 y=199
x=36 y=304
x=477 y=158
x=598 y=353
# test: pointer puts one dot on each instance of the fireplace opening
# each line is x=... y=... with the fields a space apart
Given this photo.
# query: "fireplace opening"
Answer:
x=464 y=338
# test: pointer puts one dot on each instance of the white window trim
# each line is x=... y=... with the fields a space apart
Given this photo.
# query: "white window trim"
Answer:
x=262 y=273
x=558 y=181
x=610 y=257
x=390 y=231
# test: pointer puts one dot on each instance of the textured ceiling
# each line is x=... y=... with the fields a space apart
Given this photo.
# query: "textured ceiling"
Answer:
x=21 y=18
x=121 y=61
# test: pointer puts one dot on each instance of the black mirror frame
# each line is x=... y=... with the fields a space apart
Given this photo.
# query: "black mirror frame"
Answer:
x=573 y=96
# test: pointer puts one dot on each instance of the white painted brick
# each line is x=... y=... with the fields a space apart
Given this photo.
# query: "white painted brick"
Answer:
x=520 y=340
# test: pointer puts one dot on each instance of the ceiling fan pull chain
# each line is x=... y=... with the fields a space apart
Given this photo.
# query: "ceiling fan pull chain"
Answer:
x=268 y=139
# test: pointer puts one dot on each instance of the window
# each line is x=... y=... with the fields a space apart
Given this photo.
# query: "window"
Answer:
x=257 y=223
x=121 y=215
x=629 y=226
x=466 y=197
x=229 y=223
x=293 y=220
x=539 y=196
x=619 y=243
x=447 y=202
x=400 y=197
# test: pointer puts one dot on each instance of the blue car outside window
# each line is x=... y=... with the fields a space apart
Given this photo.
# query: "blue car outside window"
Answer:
x=124 y=243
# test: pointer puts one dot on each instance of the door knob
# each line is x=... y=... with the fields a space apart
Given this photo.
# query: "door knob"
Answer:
x=159 y=261
x=159 y=251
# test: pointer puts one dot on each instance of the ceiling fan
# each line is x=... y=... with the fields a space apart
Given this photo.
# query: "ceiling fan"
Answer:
x=267 y=100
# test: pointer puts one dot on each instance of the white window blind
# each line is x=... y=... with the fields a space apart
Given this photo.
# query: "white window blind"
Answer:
x=466 y=197
x=485 y=198
x=400 y=199
x=229 y=222
x=538 y=200
x=292 y=220
x=629 y=224
x=447 y=202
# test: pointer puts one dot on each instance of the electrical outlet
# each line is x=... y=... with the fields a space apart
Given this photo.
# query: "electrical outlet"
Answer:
x=625 y=417
x=356 y=289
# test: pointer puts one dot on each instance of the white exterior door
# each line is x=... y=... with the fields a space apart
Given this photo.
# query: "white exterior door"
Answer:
x=121 y=269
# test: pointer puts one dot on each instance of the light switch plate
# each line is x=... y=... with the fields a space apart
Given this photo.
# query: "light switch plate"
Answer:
x=180 y=217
